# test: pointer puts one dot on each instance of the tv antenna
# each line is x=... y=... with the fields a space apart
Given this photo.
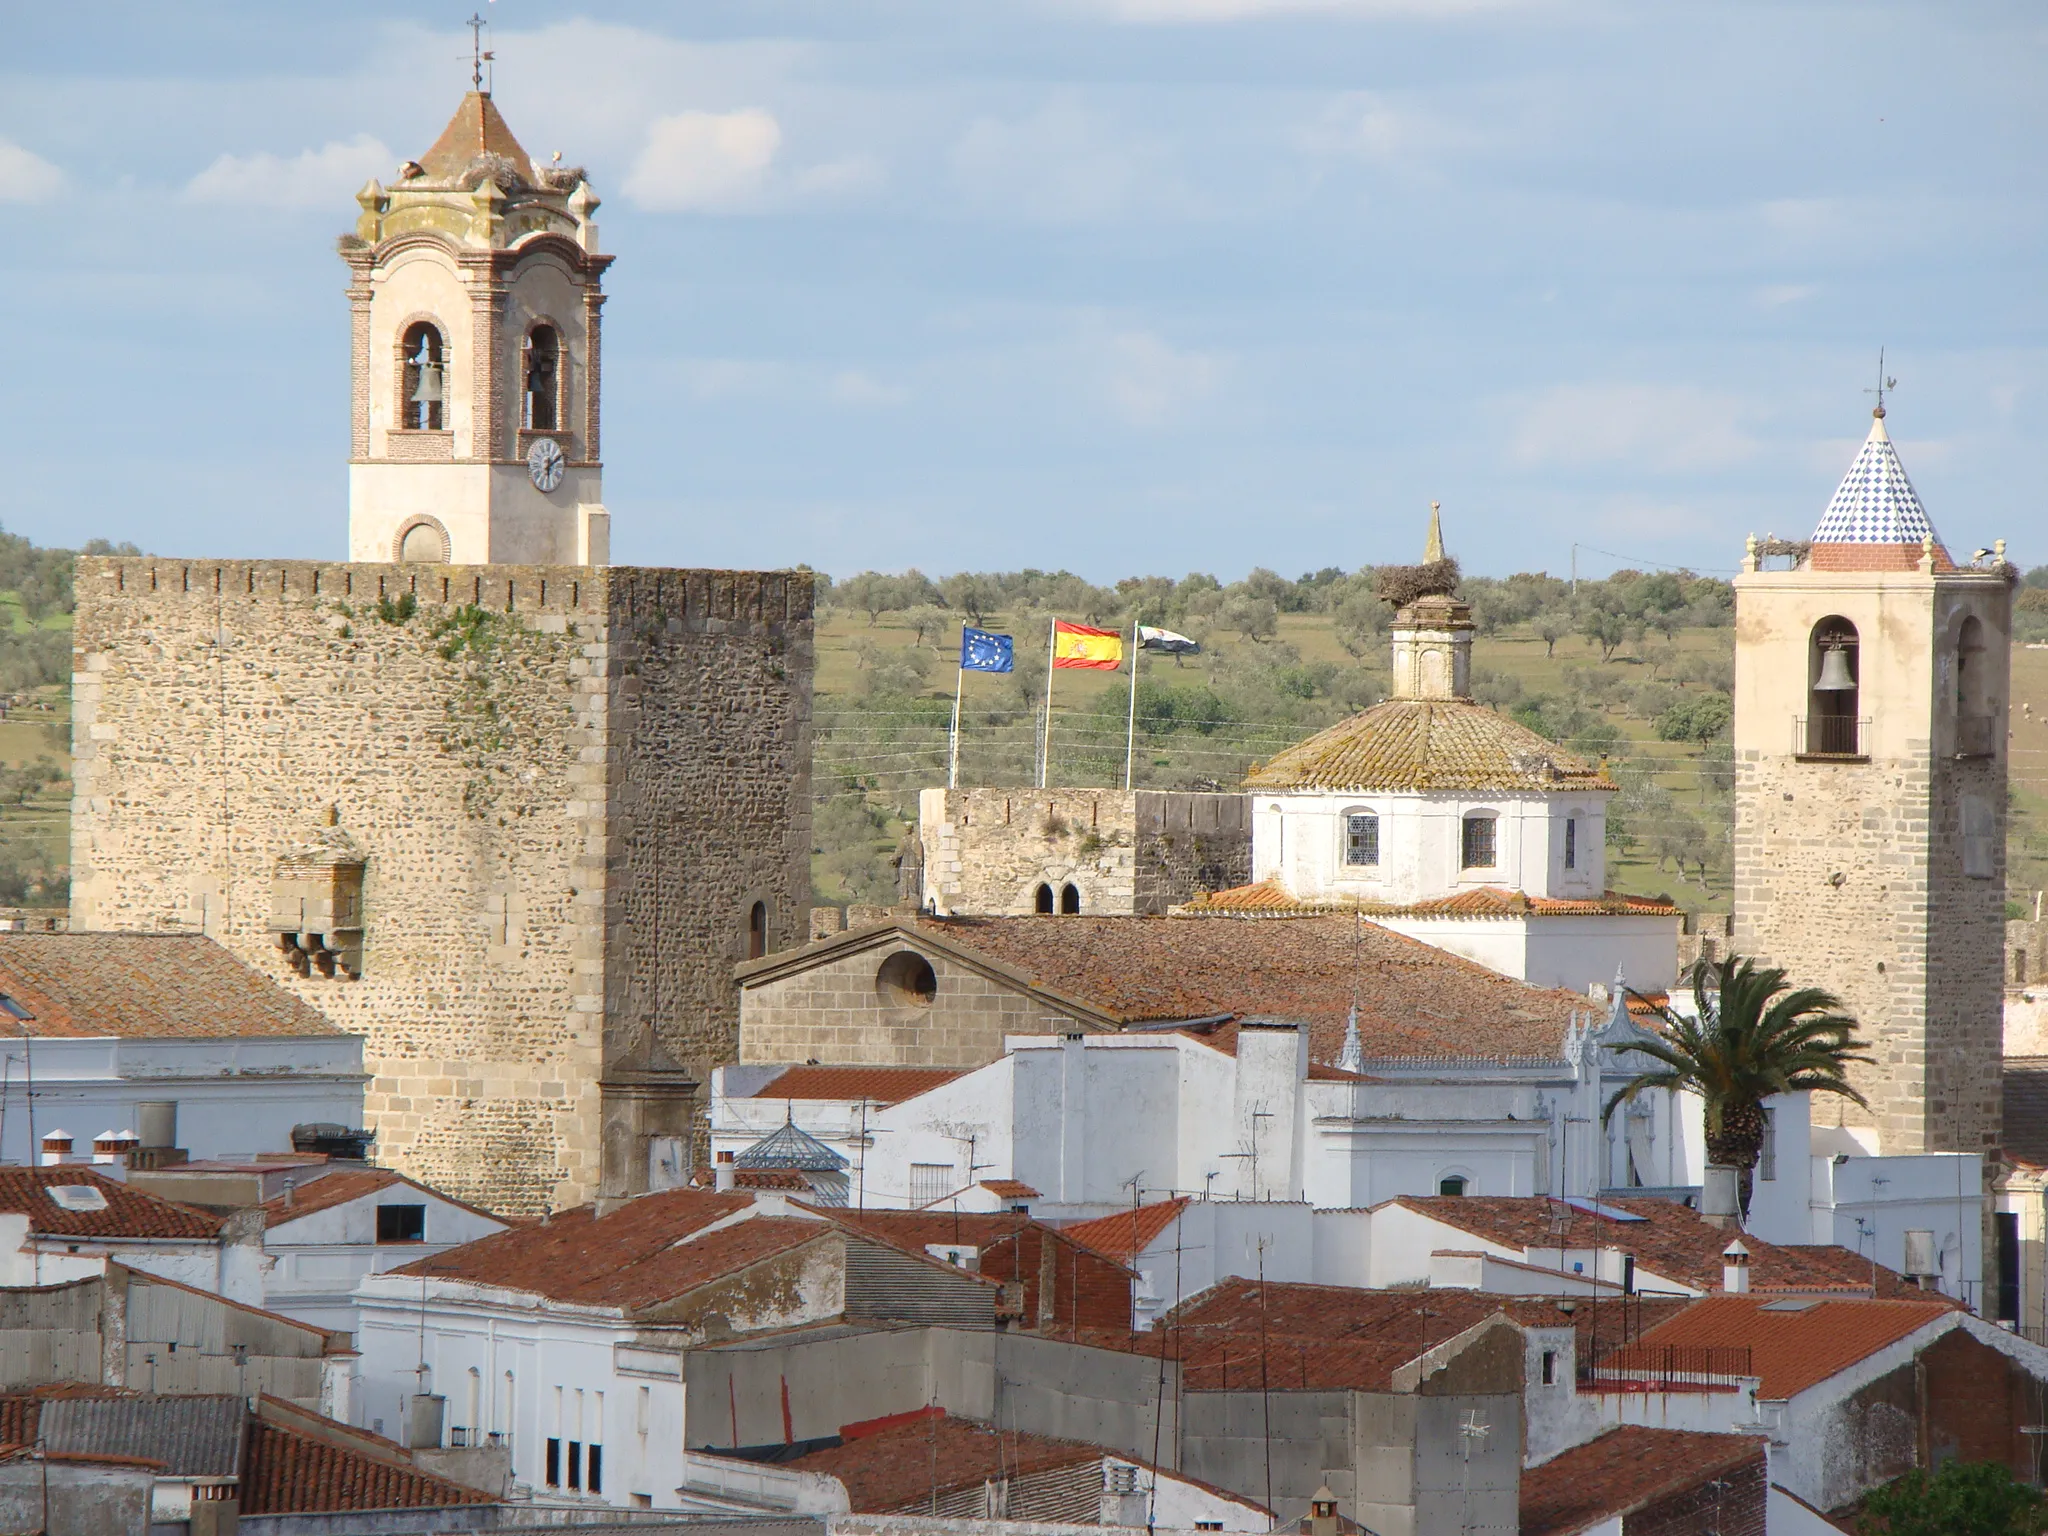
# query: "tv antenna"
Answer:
x=1883 y=384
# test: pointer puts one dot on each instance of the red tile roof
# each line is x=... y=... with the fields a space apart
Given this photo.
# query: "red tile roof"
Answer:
x=1671 y=1241
x=1422 y=744
x=1128 y=1233
x=894 y=1468
x=299 y=1463
x=1792 y=1350
x=1481 y=901
x=1413 y=999
x=324 y=1191
x=144 y=986
x=128 y=1213
x=1874 y=557
x=633 y=1257
x=1624 y=1471
x=1010 y=1189
x=476 y=129
x=880 y=1085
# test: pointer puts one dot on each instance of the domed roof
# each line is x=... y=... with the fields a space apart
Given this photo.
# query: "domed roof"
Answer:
x=1429 y=744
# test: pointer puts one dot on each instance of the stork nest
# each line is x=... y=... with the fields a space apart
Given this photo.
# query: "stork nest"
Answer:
x=1403 y=584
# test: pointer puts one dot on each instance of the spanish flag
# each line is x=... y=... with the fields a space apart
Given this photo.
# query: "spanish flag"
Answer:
x=1076 y=645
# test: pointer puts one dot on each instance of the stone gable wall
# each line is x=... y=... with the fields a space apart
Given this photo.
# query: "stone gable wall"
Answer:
x=569 y=784
x=985 y=851
x=837 y=1011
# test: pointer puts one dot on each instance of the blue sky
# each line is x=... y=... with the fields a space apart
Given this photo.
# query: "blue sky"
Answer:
x=1117 y=285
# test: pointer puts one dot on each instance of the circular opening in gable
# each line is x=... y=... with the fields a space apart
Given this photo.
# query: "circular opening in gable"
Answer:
x=907 y=980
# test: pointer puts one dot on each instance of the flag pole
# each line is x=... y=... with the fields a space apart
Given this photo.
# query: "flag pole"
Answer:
x=959 y=684
x=1052 y=649
x=1131 y=725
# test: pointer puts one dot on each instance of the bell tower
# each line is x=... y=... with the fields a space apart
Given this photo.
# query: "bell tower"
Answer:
x=1871 y=704
x=475 y=292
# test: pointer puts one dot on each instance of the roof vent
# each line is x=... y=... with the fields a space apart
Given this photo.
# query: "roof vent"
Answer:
x=78 y=1197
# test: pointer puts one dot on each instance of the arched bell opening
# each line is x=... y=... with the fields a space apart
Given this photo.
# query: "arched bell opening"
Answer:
x=1834 y=690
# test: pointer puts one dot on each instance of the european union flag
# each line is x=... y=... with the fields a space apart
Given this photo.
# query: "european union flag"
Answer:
x=981 y=651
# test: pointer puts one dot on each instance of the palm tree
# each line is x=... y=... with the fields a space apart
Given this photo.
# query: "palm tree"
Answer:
x=1755 y=1035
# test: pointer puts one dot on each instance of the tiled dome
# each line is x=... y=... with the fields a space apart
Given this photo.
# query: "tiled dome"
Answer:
x=1419 y=744
x=1875 y=503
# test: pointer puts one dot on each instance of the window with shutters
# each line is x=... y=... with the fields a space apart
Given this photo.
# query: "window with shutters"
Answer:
x=929 y=1182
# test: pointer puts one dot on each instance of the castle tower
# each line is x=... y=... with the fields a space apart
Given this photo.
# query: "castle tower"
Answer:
x=475 y=291
x=1870 y=765
x=513 y=823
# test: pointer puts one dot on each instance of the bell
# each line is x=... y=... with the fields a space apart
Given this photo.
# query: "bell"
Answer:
x=428 y=390
x=1834 y=672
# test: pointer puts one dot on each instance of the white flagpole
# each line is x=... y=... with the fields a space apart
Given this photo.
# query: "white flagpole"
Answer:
x=1052 y=646
x=959 y=683
x=1131 y=726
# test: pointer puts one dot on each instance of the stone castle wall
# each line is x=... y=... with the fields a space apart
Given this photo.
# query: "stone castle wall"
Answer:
x=986 y=851
x=568 y=786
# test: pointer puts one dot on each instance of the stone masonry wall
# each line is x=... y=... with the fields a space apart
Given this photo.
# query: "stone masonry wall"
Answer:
x=568 y=785
x=838 y=1010
x=986 y=851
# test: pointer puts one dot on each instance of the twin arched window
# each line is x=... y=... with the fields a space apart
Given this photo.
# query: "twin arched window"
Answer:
x=1067 y=902
x=423 y=384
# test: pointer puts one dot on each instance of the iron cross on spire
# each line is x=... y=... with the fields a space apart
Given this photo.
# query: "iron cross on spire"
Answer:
x=1883 y=383
x=478 y=54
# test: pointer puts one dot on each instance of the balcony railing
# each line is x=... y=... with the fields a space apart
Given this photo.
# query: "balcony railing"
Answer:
x=1669 y=1368
x=1976 y=735
x=1840 y=737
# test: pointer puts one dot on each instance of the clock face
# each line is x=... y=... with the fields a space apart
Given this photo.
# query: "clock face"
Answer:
x=544 y=463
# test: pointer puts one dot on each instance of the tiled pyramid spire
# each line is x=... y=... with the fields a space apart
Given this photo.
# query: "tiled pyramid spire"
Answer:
x=1875 y=503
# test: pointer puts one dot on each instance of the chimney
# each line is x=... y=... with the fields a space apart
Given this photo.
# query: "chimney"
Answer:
x=56 y=1147
x=1322 y=1512
x=106 y=1146
x=1720 y=1194
x=1735 y=1269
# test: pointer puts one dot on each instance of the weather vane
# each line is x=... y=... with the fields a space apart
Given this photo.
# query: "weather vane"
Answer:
x=1883 y=383
x=478 y=54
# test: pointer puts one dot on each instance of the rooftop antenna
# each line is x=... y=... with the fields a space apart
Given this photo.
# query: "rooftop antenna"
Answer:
x=1883 y=384
x=479 y=56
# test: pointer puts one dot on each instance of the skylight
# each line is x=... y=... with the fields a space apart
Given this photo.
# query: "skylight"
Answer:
x=78 y=1197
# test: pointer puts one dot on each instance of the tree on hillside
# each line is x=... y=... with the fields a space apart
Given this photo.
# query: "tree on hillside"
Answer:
x=1605 y=625
x=871 y=593
x=1754 y=1035
x=1553 y=624
x=1256 y=618
x=1964 y=1498
x=972 y=594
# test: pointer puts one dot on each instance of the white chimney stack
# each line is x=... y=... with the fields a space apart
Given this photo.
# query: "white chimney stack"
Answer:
x=1735 y=1269
x=56 y=1147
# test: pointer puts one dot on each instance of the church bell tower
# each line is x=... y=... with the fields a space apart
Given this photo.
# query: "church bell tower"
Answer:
x=1871 y=712
x=475 y=291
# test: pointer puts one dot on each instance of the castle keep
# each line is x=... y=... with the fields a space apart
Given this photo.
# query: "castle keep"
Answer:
x=1871 y=702
x=513 y=823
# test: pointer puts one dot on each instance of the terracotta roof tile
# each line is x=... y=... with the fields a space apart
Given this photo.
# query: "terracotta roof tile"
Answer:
x=1481 y=901
x=288 y=1472
x=1623 y=1471
x=144 y=986
x=879 y=1085
x=324 y=1191
x=1874 y=557
x=128 y=1213
x=1127 y=1234
x=1792 y=1350
x=1420 y=744
x=1671 y=1241
x=476 y=129
x=1010 y=1189
x=1413 y=999
x=935 y=1454
x=634 y=1257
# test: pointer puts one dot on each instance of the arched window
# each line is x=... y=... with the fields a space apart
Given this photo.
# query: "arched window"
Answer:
x=757 y=930
x=543 y=379
x=1477 y=847
x=422 y=387
x=1043 y=900
x=424 y=542
x=1070 y=900
x=1833 y=692
x=1974 y=708
x=1452 y=1184
x=1361 y=838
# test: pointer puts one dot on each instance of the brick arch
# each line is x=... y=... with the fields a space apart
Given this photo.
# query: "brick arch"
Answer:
x=413 y=525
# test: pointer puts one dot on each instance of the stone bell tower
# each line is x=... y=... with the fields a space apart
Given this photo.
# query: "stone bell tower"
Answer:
x=1871 y=700
x=475 y=285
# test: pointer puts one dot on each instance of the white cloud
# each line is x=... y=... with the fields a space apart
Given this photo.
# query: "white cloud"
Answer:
x=313 y=178
x=1198 y=11
x=852 y=387
x=25 y=176
x=1665 y=427
x=705 y=160
x=839 y=178
x=1777 y=295
x=1371 y=127
x=1059 y=164
x=1150 y=383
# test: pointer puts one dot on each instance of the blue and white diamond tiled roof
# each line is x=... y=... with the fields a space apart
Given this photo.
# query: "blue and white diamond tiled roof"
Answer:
x=1875 y=503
